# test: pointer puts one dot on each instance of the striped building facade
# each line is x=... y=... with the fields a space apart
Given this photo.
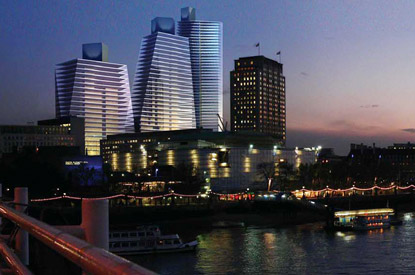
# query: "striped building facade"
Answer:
x=96 y=90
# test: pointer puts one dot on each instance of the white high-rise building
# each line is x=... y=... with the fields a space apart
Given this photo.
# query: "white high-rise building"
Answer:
x=162 y=94
x=206 y=53
x=96 y=90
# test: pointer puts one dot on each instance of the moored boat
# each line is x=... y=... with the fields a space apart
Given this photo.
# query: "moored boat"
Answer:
x=147 y=240
x=363 y=219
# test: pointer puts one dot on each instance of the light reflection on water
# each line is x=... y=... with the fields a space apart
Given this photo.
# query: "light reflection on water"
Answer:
x=306 y=249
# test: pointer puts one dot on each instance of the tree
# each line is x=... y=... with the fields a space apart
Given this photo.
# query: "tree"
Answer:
x=267 y=171
x=305 y=175
x=85 y=174
x=285 y=174
x=190 y=176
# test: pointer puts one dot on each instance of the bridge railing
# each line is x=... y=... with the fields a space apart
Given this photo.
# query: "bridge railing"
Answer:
x=91 y=259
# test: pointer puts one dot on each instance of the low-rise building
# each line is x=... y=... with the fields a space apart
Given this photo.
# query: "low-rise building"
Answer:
x=74 y=125
x=227 y=160
x=13 y=138
x=400 y=157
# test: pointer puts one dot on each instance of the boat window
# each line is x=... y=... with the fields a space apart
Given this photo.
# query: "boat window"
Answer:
x=124 y=235
x=141 y=243
x=150 y=234
x=133 y=234
x=141 y=234
x=116 y=245
x=124 y=244
x=167 y=241
x=133 y=244
x=176 y=242
x=116 y=235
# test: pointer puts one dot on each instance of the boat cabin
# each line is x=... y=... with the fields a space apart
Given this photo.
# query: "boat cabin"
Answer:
x=364 y=219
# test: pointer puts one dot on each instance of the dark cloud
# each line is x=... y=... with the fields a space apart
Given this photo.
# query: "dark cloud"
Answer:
x=350 y=125
x=409 y=130
x=367 y=106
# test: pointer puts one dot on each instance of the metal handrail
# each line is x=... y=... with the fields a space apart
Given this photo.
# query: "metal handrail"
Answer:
x=12 y=260
x=91 y=259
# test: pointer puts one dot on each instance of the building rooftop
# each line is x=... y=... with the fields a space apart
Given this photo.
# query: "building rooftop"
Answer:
x=220 y=138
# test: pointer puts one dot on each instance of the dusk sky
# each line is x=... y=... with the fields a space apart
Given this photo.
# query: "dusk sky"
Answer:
x=349 y=66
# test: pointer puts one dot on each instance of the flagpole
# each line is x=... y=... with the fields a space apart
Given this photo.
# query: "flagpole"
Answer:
x=258 y=45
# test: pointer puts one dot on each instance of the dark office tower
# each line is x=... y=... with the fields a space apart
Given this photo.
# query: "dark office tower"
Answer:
x=258 y=96
x=205 y=40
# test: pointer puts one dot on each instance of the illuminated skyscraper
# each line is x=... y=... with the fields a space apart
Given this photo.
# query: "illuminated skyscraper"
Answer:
x=205 y=39
x=96 y=90
x=258 y=96
x=163 y=90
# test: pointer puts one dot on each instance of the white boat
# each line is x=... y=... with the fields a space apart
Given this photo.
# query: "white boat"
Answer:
x=146 y=240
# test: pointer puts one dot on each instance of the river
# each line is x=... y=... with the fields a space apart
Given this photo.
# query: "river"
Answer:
x=304 y=249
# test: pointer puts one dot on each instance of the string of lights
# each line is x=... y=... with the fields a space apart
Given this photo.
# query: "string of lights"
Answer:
x=120 y=196
x=354 y=188
x=327 y=189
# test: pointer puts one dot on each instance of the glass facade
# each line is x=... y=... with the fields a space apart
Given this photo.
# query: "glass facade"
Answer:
x=205 y=40
x=97 y=91
x=163 y=91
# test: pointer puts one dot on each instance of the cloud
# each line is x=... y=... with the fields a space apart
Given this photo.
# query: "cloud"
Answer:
x=350 y=126
x=304 y=74
x=367 y=106
x=409 y=130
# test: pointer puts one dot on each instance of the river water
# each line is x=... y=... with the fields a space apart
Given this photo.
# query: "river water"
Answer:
x=304 y=249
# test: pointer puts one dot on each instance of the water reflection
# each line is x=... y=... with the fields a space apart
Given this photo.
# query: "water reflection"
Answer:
x=349 y=236
x=300 y=250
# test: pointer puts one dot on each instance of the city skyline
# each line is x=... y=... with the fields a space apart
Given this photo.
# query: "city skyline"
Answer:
x=347 y=64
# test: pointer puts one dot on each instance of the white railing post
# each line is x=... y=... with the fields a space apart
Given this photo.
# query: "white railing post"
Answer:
x=95 y=222
x=22 y=237
x=91 y=259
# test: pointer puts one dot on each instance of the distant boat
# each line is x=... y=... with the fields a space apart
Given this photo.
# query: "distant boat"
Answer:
x=364 y=219
x=147 y=240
